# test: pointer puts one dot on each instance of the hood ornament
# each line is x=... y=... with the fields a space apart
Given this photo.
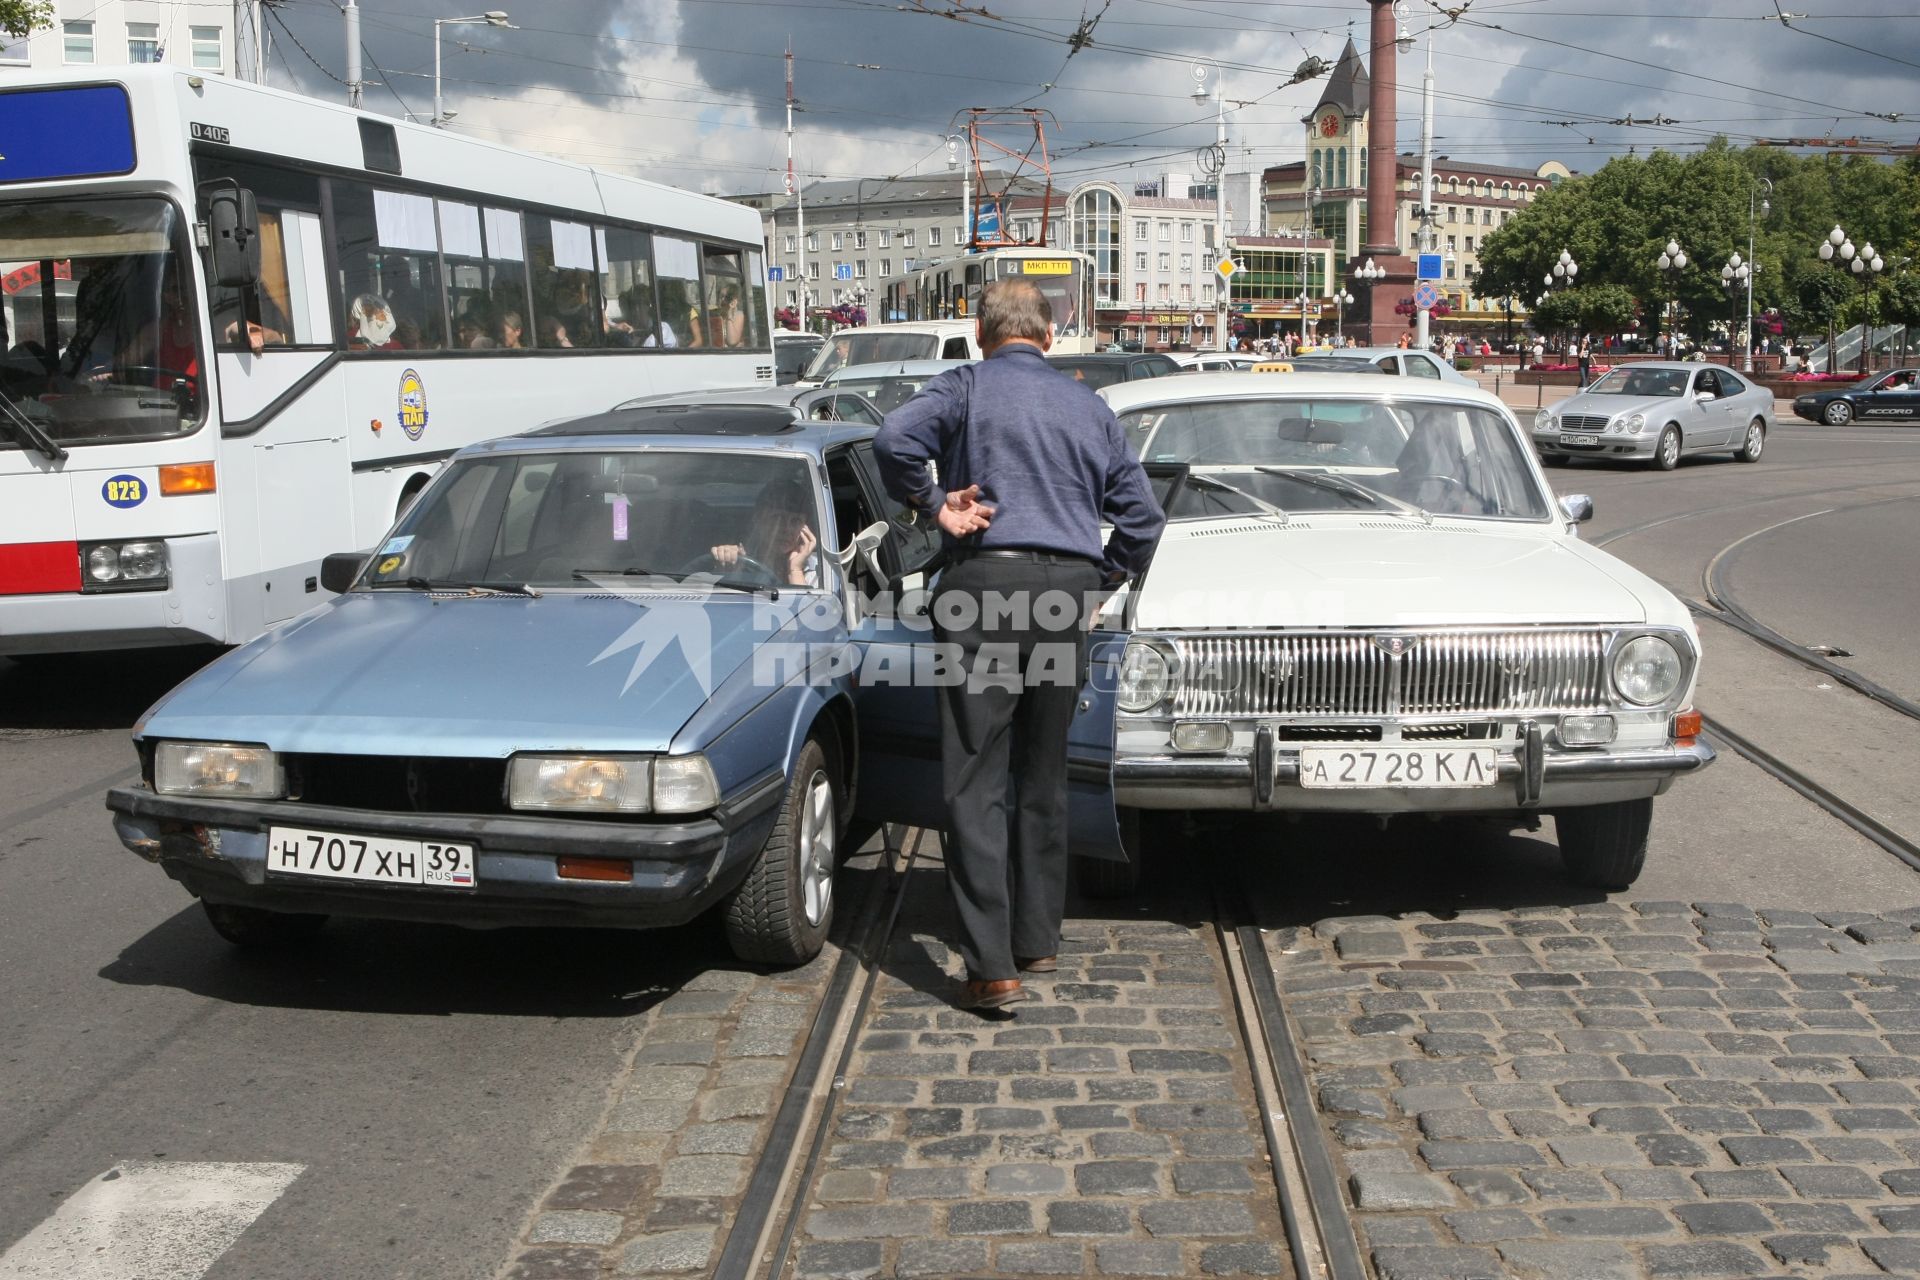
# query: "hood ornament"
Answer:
x=1395 y=646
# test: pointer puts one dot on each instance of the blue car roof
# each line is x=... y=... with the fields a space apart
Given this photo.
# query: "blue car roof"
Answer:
x=688 y=426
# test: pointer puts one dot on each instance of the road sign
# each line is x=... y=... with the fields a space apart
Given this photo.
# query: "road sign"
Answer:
x=1226 y=267
x=1430 y=266
x=1425 y=294
x=776 y=274
x=843 y=271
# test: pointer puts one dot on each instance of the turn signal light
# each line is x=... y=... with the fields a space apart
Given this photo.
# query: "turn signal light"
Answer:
x=610 y=869
x=186 y=477
x=1686 y=728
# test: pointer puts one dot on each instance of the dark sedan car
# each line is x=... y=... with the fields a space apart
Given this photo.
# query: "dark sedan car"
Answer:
x=1105 y=369
x=1894 y=396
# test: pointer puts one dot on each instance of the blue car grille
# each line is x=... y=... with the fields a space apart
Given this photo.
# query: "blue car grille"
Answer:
x=417 y=784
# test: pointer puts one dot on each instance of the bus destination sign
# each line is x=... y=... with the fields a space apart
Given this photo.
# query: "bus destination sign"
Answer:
x=1043 y=266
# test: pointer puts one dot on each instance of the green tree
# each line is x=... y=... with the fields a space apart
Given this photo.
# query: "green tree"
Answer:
x=1603 y=308
x=19 y=17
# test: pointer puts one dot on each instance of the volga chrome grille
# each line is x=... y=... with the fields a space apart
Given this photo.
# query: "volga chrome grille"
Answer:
x=1587 y=422
x=1450 y=673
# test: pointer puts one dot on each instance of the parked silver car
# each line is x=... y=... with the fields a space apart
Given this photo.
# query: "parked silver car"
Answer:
x=1657 y=411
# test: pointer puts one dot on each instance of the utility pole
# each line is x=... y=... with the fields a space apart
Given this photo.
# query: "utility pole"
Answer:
x=796 y=190
x=352 y=14
x=259 y=41
x=1219 y=168
x=1422 y=323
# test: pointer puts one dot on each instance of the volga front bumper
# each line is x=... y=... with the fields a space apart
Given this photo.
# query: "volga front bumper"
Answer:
x=1531 y=775
x=217 y=849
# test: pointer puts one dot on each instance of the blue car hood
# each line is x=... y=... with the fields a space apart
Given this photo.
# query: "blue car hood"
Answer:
x=404 y=673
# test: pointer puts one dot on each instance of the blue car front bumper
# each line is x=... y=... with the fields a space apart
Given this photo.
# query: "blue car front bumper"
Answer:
x=217 y=849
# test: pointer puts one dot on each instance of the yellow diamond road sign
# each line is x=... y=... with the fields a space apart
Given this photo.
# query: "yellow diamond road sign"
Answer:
x=1226 y=267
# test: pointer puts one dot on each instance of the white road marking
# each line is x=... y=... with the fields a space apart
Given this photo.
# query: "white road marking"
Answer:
x=148 y=1220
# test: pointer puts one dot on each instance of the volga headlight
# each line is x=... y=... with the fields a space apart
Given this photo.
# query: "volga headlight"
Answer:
x=1146 y=677
x=218 y=769
x=1543 y=420
x=1647 y=670
x=581 y=784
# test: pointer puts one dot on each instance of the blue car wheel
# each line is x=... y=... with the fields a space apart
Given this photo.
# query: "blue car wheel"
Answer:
x=781 y=912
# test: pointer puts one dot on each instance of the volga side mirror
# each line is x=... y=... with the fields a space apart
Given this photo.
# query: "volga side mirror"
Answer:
x=1577 y=507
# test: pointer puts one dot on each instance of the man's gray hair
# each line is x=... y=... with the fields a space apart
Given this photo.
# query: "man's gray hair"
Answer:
x=1014 y=309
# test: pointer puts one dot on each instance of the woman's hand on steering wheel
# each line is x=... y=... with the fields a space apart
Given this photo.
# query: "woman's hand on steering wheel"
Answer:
x=729 y=560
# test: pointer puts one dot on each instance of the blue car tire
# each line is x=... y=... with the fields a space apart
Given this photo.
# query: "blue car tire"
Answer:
x=781 y=912
x=255 y=928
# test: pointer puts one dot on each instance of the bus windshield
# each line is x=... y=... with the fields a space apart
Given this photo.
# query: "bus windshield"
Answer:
x=99 y=336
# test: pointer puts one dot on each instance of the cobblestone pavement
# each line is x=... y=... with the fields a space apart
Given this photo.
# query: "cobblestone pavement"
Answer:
x=1606 y=1091
x=1107 y=1129
x=666 y=1169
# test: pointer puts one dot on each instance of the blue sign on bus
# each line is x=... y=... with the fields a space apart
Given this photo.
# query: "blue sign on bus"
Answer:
x=82 y=132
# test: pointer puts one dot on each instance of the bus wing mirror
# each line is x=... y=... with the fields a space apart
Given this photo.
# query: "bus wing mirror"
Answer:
x=233 y=226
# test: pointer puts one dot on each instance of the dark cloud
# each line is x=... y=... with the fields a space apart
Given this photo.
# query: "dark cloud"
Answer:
x=695 y=87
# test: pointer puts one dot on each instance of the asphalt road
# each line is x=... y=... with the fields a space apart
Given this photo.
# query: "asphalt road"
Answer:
x=430 y=1083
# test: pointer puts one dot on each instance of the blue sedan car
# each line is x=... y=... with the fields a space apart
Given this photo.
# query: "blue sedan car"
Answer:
x=616 y=671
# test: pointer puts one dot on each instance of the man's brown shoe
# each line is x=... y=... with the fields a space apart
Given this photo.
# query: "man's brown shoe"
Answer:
x=1037 y=964
x=990 y=995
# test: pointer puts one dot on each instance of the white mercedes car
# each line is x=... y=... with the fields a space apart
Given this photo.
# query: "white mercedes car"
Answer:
x=1368 y=601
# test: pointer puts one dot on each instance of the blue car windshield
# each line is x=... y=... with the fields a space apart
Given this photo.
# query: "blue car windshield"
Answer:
x=1642 y=384
x=575 y=517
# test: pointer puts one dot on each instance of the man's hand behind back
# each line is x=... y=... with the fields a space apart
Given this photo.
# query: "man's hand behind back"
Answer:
x=963 y=513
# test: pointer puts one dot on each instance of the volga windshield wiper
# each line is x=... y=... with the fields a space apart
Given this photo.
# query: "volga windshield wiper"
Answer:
x=27 y=431
x=1351 y=488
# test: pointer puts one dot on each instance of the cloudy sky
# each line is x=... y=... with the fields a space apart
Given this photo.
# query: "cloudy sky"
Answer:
x=692 y=91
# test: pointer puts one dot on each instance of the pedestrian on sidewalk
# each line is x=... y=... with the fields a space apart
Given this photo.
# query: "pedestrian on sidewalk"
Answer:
x=1035 y=463
x=1586 y=358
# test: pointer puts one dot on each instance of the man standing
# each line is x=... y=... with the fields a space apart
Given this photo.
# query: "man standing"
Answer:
x=1034 y=463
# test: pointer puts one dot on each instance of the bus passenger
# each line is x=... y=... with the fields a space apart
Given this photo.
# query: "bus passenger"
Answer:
x=370 y=324
x=553 y=333
x=512 y=330
x=730 y=318
x=572 y=307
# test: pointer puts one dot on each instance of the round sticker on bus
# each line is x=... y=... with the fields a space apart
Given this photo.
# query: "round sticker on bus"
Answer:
x=413 y=405
x=124 y=491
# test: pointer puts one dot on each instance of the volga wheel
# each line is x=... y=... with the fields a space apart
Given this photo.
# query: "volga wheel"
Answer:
x=1753 y=443
x=1666 y=454
x=1604 y=846
x=781 y=912
x=255 y=928
x=1838 y=413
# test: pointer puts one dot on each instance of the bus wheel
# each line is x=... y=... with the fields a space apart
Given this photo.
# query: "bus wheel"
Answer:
x=408 y=493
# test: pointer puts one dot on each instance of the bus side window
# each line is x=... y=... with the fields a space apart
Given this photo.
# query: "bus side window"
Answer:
x=566 y=305
x=388 y=250
x=631 y=315
x=726 y=301
x=677 y=262
x=292 y=289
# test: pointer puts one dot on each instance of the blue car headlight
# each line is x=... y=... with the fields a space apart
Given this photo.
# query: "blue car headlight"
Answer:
x=612 y=784
x=223 y=769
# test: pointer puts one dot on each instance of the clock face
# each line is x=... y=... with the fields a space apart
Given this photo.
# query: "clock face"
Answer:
x=1330 y=124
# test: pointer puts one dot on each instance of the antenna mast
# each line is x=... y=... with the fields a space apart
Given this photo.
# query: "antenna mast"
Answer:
x=795 y=193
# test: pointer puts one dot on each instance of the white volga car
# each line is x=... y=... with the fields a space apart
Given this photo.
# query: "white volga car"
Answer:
x=1368 y=601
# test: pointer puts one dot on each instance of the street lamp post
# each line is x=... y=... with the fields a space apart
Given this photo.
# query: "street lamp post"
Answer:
x=1866 y=264
x=1672 y=262
x=492 y=18
x=1340 y=300
x=1735 y=275
x=1219 y=166
x=1369 y=275
x=1562 y=275
x=1762 y=188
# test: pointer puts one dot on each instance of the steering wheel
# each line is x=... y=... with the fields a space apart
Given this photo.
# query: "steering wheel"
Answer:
x=150 y=374
x=709 y=563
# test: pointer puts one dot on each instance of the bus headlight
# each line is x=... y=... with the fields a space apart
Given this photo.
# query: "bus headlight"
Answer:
x=218 y=769
x=1647 y=670
x=124 y=566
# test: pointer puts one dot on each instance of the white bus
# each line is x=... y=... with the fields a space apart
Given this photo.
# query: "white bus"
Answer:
x=243 y=327
x=950 y=290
